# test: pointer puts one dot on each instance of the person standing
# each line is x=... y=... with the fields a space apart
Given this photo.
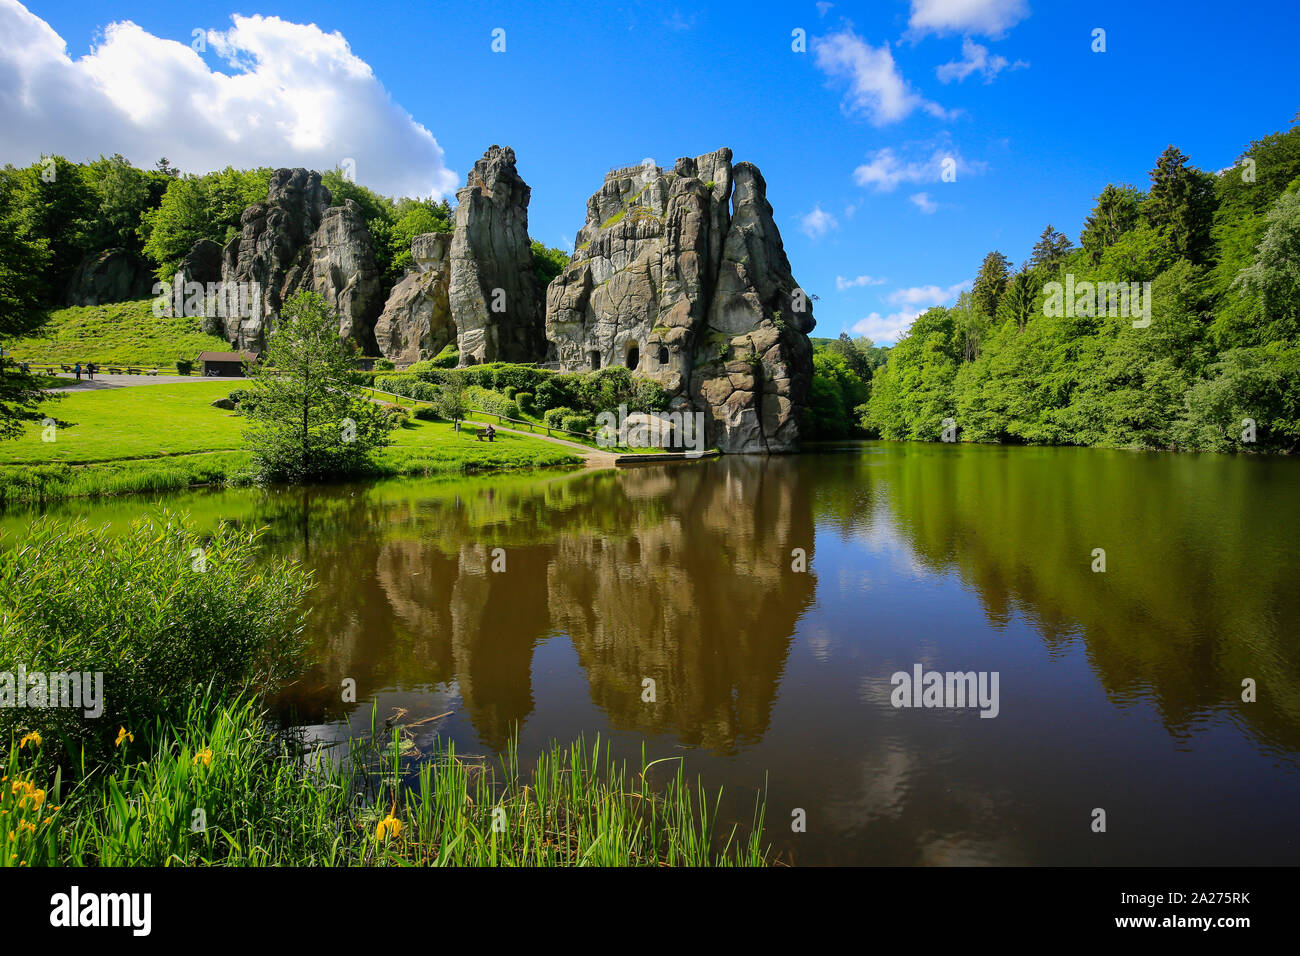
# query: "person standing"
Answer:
x=77 y=371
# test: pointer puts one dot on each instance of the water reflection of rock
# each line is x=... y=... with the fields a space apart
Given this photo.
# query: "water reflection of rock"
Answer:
x=484 y=625
x=703 y=602
x=678 y=574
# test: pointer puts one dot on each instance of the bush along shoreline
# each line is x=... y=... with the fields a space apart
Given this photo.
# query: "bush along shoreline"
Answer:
x=160 y=753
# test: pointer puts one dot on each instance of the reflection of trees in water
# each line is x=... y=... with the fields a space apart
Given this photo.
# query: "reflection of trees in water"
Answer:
x=680 y=574
x=1199 y=590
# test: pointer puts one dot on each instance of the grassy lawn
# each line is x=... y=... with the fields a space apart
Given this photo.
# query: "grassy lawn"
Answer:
x=143 y=421
x=121 y=333
x=153 y=438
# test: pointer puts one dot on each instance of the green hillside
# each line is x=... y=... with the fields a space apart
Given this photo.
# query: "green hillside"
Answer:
x=121 y=333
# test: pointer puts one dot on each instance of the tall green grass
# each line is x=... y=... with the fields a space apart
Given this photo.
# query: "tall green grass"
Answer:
x=156 y=611
x=33 y=484
x=220 y=788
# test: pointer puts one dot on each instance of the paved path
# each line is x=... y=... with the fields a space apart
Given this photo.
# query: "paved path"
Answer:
x=594 y=457
x=126 y=381
x=597 y=458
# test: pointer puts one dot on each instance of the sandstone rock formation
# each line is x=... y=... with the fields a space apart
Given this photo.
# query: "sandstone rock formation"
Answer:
x=416 y=323
x=296 y=240
x=114 y=275
x=202 y=263
x=681 y=276
x=343 y=270
x=494 y=295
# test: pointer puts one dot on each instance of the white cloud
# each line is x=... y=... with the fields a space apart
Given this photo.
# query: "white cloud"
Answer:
x=914 y=300
x=876 y=88
x=293 y=96
x=817 y=223
x=923 y=202
x=884 y=170
x=983 y=17
x=823 y=7
x=976 y=59
x=886 y=329
x=842 y=283
x=925 y=296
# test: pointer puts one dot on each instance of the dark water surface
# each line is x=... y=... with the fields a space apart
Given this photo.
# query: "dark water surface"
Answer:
x=1118 y=690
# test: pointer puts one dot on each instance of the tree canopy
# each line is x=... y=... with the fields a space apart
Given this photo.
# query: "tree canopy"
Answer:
x=1217 y=367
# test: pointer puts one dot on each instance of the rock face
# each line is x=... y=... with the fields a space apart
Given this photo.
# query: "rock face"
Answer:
x=416 y=323
x=202 y=263
x=114 y=275
x=493 y=292
x=681 y=277
x=296 y=240
x=343 y=270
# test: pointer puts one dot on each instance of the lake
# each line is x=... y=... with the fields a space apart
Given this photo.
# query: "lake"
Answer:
x=1118 y=689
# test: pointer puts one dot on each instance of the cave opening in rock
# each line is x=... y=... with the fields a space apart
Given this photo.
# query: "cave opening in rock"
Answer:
x=633 y=357
x=595 y=360
x=663 y=355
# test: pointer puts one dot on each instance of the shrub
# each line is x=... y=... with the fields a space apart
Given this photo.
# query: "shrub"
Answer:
x=556 y=392
x=407 y=386
x=384 y=365
x=449 y=357
x=649 y=396
x=487 y=400
x=554 y=417
x=525 y=402
x=425 y=414
x=581 y=422
x=606 y=389
x=159 y=611
x=245 y=399
x=391 y=383
x=184 y=366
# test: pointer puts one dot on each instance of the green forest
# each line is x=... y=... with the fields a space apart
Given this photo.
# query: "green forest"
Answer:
x=66 y=211
x=1216 y=368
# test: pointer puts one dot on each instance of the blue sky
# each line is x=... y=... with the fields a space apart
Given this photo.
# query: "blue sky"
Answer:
x=848 y=134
